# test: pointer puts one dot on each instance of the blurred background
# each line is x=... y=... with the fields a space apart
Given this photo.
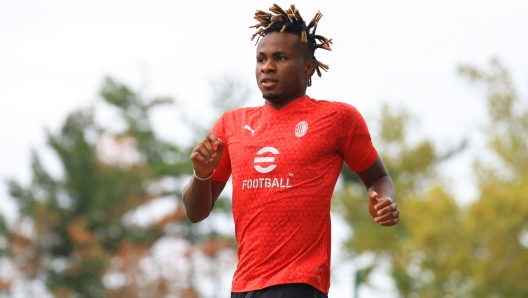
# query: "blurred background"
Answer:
x=102 y=101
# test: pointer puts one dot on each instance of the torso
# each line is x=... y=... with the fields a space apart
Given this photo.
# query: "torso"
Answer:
x=284 y=164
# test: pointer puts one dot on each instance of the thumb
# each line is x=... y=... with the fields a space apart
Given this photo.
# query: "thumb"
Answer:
x=373 y=198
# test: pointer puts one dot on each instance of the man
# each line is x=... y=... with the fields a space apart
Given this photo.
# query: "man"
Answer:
x=284 y=158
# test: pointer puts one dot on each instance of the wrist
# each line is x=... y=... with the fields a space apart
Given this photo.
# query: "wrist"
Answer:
x=202 y=178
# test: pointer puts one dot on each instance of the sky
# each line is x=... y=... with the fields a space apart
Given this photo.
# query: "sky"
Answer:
x=55 y=54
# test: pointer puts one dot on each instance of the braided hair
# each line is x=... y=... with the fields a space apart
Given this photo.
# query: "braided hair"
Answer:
x=290 y=21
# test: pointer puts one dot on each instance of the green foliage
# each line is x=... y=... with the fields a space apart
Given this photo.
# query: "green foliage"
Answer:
x=440 y=248
x=500 y=217
x=78 y=219
x=412 y=167
x=229 y=93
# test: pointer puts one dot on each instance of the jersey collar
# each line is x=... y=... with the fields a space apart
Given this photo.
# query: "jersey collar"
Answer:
x=268 y=110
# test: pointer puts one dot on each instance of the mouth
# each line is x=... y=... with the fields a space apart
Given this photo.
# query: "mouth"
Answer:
x=268 y=83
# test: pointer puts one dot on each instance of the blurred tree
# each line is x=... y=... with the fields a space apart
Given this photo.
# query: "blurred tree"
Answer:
x=413 y=168
x=79 y=233
x=440 y=249
x=498 y=221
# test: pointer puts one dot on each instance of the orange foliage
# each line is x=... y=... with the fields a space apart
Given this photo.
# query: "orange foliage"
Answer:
x=120 y=151
x=212 y=247
x=62 y=293
x=163 y=285
x=25 y=253
x=135 y=199
x=46 y=217
x=5 y=285
x=176 y=216
x=19 y=242
x=131 y=254
x=78 y=233
x=189 y=293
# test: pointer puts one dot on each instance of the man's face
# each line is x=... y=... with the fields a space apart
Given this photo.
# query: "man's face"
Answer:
x=282 y=70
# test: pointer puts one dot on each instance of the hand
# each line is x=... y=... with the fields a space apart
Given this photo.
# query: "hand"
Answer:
x=206 y=155
x=384 y=211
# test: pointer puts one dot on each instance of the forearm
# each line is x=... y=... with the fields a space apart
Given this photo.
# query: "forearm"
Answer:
x=384 y=188
x=200 y=195
x=198 y=199
x=381 y=195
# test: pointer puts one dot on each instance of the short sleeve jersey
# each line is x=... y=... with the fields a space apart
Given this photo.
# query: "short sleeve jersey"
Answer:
x=284 y=165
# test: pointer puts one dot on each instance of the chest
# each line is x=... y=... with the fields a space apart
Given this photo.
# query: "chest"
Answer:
x=281 y=144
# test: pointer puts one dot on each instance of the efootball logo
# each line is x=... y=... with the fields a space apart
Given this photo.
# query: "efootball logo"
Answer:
x=259 y=159
x=264 y=163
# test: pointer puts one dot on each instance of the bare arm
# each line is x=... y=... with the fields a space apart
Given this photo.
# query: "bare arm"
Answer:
x=199 y=196
x=382 y=198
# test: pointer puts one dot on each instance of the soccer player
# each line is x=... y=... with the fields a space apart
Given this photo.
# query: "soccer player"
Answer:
x=284 y=159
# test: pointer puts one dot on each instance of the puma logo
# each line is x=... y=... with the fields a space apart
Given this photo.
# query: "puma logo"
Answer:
x=250 y=129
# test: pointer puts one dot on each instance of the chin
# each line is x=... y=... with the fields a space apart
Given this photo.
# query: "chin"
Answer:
x=270 y=96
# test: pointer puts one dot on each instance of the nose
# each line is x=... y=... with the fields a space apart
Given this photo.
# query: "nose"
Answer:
x=268 y=66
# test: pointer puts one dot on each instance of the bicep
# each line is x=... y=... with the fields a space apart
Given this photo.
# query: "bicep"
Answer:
x=373 y=173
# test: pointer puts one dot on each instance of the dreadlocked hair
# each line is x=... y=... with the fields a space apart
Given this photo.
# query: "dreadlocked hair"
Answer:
x=290 y=21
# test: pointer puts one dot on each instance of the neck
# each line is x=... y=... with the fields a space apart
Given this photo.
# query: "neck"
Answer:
x=277 y=105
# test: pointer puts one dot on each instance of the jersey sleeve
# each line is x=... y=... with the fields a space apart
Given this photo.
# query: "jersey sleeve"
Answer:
x=354 y=142
x=223 y=171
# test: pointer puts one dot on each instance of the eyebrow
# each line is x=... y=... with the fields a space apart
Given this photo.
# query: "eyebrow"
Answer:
x=278 y=53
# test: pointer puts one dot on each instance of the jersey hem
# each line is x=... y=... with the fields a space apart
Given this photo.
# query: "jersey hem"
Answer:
x=277 y=284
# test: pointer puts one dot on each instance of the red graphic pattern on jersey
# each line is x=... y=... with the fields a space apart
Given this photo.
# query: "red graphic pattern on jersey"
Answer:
x=283 y=177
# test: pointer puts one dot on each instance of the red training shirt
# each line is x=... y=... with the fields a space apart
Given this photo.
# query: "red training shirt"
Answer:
x=284 y=165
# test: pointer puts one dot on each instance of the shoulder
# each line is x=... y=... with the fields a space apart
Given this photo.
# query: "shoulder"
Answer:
x=241 y=111
x=335 y=107
x=345 y=117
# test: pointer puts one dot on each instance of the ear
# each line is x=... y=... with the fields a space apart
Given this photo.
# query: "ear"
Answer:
x=309 y=68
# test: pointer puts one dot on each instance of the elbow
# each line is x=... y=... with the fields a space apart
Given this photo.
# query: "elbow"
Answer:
x=195 y=208
x=194 y=220
x=195 y=217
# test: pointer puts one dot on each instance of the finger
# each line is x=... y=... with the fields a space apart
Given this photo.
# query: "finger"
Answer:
x=210 y=147
x=213 y=140
x=220 y=146
x=387 y=216
x=197 y=157
x=383 y=203
x=373 y=198
x=381 y=206
x=389 y=223
x=384 y=208
x=207 y=144
x=206 y=153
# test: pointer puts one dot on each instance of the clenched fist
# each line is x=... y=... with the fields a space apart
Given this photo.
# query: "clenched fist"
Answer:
x=384 y=211
x=206 y=155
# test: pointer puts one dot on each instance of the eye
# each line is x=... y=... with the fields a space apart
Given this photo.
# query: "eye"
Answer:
x=281 y=58
x=260 y=59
